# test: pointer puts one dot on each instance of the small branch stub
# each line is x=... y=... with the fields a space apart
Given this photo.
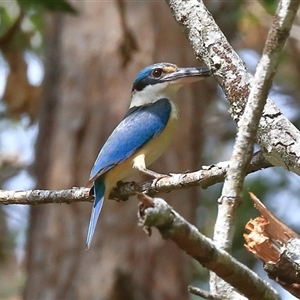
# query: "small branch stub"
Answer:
x=277 y=246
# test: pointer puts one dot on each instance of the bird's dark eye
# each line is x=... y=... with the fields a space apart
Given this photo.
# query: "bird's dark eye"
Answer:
x=157 y=72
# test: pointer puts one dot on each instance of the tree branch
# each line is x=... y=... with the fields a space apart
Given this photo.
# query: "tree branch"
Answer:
x=172 y=226
x=203 y=178
x=247 y=130
x=279 y=138
x=32 y=197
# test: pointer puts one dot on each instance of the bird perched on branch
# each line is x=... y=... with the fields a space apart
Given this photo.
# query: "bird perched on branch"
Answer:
x=144 y=133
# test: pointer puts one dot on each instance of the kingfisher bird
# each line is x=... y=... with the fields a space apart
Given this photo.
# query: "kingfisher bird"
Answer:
x=144 y=133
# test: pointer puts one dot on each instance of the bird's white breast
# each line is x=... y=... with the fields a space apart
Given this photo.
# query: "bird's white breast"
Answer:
x=153 y=93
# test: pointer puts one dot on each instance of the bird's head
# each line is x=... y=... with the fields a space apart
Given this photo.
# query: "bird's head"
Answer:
x=162 y=80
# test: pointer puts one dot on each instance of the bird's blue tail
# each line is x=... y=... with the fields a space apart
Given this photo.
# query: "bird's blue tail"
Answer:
x=99 y=189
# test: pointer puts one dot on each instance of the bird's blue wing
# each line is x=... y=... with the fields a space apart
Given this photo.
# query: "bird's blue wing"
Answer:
x=139 y=126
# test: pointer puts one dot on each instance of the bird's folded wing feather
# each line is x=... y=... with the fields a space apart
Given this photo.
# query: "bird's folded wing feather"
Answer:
x=139 y=126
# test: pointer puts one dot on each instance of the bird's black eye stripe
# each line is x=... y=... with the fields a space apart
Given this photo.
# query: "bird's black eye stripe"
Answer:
x=157 y=72
x=147 y=78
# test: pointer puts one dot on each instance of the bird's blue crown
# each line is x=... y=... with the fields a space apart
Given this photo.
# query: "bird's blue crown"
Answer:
x=152 y=75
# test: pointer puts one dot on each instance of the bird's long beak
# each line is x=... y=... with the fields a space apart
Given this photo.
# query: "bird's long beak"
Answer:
x=187 y=75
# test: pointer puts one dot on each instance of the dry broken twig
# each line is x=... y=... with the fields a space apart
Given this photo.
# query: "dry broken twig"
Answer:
x=277 y=246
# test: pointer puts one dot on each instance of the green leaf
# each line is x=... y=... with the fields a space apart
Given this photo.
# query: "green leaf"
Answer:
x=269 y=5
x=37 y=20
x=5 y=20
x=52 y=5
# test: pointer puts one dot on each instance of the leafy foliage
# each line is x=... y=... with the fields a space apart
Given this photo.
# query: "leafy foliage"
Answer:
x=58 y=5
x=269 y=5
